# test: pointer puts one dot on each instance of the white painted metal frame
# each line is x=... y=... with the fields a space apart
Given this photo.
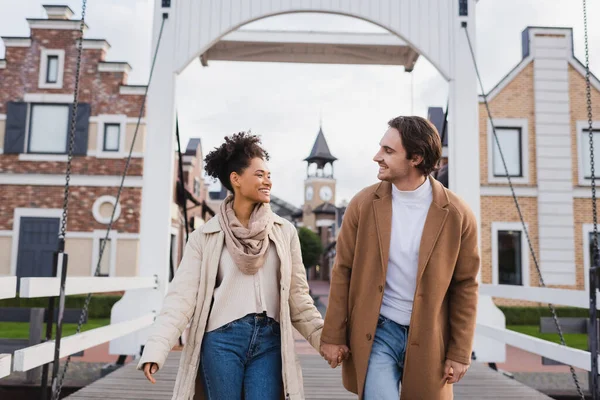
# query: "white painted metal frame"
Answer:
x=28 y=212
x=562 y=297
x=510 y=226
x=47 y=287
x=8 y=287
x=433 y=28
x=581 y=128
x=5 y=363
x=519 y=123
x=35 y=356
x=567 y=355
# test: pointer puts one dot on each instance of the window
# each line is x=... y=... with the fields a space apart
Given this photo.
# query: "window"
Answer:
x=52 y=69
x=112 y=137
x=106 y=256
x=510 y=143
x=513 y=140
x=510 y=270
x=585 y=156
x=48 y=126
x=510 y=257
x=196 y=187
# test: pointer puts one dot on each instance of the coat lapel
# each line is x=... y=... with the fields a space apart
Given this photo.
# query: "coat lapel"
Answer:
x=382 y=207
x=434 y=222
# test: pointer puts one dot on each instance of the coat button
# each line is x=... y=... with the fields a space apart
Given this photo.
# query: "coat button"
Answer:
x=369 y=337
x=380 y=288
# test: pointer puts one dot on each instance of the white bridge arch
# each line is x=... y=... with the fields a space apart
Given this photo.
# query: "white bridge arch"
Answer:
x=434 y=28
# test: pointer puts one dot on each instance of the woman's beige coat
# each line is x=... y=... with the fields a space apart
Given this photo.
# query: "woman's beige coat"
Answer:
x=189 y=300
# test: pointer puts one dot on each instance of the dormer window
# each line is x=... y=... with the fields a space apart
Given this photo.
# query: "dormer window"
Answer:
x=52 y=63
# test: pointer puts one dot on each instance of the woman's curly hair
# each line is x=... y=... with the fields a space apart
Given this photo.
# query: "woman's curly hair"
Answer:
x=233 y=156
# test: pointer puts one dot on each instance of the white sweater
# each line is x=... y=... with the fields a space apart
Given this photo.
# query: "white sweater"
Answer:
x=237 y=294
x=409 y=210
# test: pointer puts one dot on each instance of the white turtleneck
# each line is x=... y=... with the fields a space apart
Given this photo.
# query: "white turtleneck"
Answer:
x=409 y=210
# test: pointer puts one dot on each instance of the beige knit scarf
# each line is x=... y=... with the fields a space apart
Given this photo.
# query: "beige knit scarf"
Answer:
x=247 y=246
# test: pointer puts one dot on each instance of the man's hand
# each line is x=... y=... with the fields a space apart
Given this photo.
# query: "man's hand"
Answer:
x=454 y=371
x=334 y=353
x=149 y=370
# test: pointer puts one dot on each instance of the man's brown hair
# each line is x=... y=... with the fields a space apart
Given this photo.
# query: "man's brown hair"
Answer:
x=419 y=138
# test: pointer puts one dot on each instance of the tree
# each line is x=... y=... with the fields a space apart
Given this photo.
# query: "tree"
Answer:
x=311 y=246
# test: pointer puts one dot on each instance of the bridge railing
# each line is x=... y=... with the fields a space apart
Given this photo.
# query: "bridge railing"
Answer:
x=35 y=356
x=561 y=297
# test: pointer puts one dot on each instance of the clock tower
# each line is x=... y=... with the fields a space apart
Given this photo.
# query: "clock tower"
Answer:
x=319 y=186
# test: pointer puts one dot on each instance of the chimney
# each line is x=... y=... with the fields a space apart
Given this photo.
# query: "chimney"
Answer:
x=58 y=12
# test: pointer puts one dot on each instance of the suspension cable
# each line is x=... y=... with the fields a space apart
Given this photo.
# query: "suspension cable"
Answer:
x=84 y=311
x=516 y=201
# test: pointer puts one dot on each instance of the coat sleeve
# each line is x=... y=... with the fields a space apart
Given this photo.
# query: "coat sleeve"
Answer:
x=463 y=294
x=334 y=331
x=178 y=306
x=303 y=312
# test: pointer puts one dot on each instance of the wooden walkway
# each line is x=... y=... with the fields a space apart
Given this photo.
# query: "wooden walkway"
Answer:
x=320 y=382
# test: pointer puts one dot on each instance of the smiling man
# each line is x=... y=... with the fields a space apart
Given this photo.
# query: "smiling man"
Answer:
x=404 y=285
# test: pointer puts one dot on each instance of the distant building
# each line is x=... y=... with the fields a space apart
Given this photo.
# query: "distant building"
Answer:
x=540 y=114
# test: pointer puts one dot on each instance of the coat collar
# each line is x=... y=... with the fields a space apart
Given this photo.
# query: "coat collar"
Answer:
x=213 y=225
x=438 y=192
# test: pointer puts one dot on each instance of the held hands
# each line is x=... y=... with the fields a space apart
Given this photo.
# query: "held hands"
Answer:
x=454 y=371
x=149 y=370
x=334 y=354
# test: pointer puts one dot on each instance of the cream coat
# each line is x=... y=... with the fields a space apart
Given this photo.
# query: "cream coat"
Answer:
x=189 y=298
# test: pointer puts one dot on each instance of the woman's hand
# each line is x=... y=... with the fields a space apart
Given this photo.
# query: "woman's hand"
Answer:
x=149 y=370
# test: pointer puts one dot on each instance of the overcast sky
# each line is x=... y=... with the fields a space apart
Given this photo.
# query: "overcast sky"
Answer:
x=283 y=102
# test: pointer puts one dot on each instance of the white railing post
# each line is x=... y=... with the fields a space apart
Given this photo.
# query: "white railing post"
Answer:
x=157 y=199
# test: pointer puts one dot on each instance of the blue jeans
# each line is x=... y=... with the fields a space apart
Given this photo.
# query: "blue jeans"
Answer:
x=386 y=362
x=243 y=356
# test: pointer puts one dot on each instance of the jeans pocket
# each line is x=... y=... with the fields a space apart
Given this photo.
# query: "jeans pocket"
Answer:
x=381 y=321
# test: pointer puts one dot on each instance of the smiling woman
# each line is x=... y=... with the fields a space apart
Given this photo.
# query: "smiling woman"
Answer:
x=243 y=285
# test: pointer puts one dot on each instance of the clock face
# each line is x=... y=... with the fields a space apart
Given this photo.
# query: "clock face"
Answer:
x=309 y=193
x=326 y=193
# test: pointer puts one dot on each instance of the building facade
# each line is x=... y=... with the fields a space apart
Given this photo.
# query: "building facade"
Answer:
x=37 y=78
x=540 y=116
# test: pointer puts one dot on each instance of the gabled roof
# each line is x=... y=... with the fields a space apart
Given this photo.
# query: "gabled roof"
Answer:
x=320 y=152
x=192 y=146
x=528 y=58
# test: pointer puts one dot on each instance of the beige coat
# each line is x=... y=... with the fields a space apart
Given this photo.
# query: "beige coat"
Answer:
x=443 y=319
x=189 y=299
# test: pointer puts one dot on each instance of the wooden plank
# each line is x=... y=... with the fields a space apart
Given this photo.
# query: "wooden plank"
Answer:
x=568 y=355
x=47 y=287
x=43 y=353
x=563 y=297
x=320 y=383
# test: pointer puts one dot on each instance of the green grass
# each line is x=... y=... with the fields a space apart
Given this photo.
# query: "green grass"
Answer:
x=20 y=330
x=575 y=340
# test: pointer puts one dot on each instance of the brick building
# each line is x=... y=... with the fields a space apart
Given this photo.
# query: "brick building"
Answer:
x=37 y=79
x=540 y=114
